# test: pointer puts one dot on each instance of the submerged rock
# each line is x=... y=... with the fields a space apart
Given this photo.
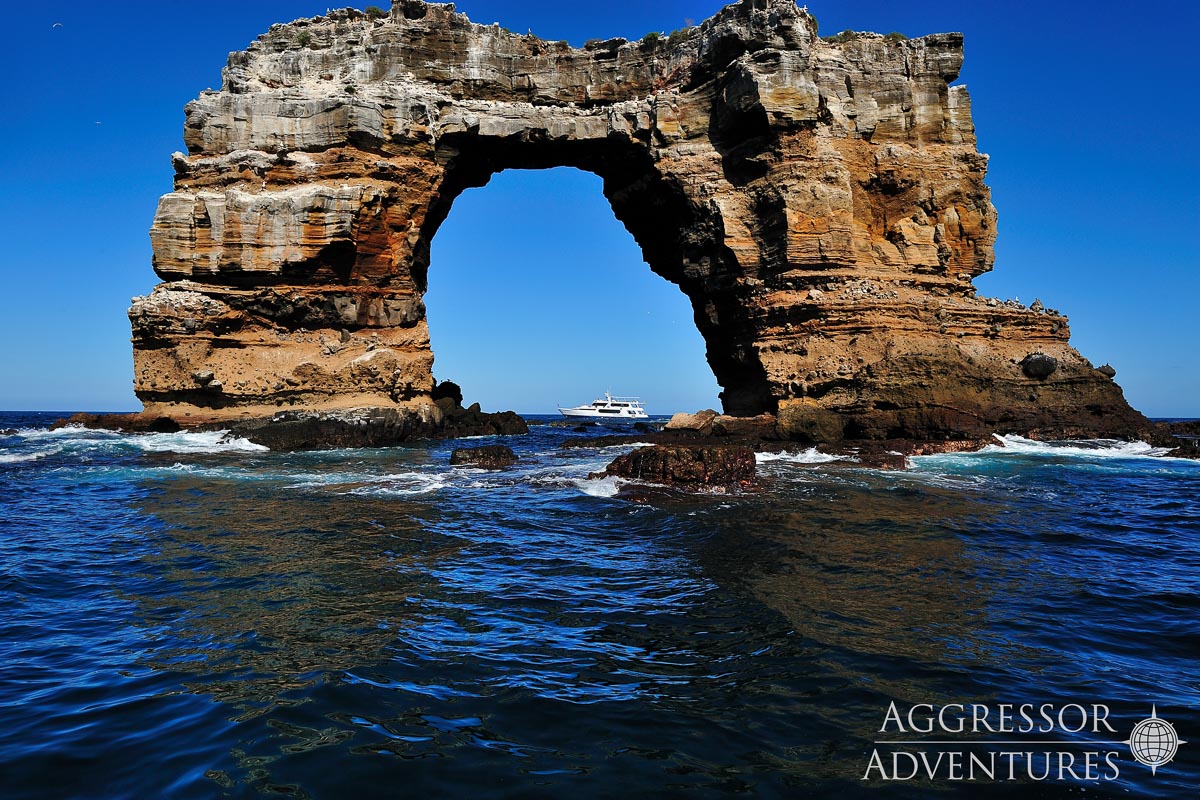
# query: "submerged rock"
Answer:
x=494 y=456
x=687 y=465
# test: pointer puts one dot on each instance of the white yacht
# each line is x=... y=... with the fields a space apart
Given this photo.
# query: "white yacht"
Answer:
x=608 y=407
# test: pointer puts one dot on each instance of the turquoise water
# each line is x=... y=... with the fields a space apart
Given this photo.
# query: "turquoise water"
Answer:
x=189 y=617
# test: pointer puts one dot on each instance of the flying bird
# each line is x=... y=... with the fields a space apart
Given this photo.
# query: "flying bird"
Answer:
x=57 y=25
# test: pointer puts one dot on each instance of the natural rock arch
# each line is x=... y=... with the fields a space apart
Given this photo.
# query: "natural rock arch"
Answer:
x=821 y=204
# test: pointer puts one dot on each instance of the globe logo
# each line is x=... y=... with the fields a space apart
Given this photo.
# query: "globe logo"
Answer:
x=1153 y=741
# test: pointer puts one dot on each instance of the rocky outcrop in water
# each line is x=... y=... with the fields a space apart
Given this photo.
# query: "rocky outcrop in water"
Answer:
x=820 y=203
x=686 y=465
x=495 y=456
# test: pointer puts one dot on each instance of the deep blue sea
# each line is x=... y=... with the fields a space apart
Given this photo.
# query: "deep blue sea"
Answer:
x=188 y=617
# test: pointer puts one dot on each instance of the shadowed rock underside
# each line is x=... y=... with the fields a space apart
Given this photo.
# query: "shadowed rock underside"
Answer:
x=820 y=204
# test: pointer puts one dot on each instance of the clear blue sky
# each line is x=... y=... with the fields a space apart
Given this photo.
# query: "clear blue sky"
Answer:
x=1088 y=110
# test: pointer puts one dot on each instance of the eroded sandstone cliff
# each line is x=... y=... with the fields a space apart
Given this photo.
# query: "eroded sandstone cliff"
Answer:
x=821 y=204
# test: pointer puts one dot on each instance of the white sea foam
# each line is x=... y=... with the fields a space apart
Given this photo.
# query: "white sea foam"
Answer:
x=231 y=472
x=18 y=458
x=317 y=480
x=630 y=446
x=405 y=484
x=809 y=456
x=194 y=442
x=1088 y=448
x=607 y=486
x=1083 y=450
x=69 y=432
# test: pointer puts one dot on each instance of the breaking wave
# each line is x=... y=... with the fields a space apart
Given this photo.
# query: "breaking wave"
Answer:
x=607 y=486
x=407 y=484
x=186 y=442
x=1086 y=448
x=809 y=456
x=206 y=442
x=17 y=458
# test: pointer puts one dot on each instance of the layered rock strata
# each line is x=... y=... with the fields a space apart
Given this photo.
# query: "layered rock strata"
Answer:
x=821 y=204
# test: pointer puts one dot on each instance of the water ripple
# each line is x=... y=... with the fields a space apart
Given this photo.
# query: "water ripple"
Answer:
x=193 y=618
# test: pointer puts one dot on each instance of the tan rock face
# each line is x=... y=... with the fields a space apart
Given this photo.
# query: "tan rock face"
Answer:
x=821 y=205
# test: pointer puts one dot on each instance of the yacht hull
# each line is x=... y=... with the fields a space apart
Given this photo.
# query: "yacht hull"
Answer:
x=589 y=413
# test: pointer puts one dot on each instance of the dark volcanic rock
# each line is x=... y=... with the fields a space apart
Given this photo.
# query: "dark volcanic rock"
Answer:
x=1183 y=436
x=370 y=427
x=1186 y=447
x=1039 y=365
x=1107 y=371
x=687 y=465
x=125 y=423
x=8 y=432
x=312 y=430
x=325 y=430
x=473 y=422
x=494 y=456
x=447 y=389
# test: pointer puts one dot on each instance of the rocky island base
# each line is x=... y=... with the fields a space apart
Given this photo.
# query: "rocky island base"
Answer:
x=333 y=428
x=768 y=433
x=704 y=448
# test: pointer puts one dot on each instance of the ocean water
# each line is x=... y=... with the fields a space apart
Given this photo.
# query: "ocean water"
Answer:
x=189 y=617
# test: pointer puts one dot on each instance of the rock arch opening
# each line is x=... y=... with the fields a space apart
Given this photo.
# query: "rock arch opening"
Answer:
x=680 y=239
x=537 y=295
